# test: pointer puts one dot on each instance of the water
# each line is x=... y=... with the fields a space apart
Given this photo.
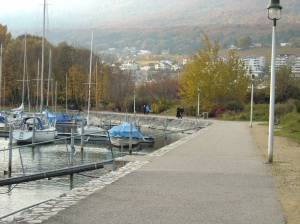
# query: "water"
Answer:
x=55 y=156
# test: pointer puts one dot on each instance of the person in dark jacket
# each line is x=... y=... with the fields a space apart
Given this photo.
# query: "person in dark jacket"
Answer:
x=181 y=112
x=178 y=112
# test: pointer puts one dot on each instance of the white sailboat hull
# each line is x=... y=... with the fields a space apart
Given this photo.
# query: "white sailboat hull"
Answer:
x=118 y=141
x=26 y=136
x=91 y=130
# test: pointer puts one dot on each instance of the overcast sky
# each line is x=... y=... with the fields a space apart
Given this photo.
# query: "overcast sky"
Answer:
x=9 y=6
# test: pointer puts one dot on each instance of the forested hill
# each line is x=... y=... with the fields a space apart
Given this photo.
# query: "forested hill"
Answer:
x=158 y=24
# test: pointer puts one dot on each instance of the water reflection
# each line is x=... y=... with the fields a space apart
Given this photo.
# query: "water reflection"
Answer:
x=56 y=156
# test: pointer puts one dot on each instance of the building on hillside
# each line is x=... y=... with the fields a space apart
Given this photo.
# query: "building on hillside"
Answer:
x=259 y=44
x=176 y=67
x=148 y=67
x=144 y=52
x=296 y=66
x=284 y=59
x=254 y=65
x=133 y=66
x=285 y=44
x=162 y=66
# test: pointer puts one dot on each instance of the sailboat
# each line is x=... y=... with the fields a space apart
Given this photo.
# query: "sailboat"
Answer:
x=16 y=114
x=31 y=128
x=89 y=128
x=124 y=135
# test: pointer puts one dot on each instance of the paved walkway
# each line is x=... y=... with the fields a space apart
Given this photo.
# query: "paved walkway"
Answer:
x=211 y=176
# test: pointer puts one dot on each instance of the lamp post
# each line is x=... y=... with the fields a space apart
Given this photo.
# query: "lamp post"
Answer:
x=198 y=90
x=251 y=113
x=274 y=13
x=134 y=102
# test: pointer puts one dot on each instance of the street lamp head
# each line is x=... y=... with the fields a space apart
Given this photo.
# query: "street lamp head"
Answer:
x=198 y=90
x=274 y=10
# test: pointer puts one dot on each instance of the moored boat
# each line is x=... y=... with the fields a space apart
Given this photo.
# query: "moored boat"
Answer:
x=33 y=127
x=124 y=134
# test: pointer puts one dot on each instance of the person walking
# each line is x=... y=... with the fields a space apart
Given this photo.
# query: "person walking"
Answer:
x=178 y=112
x=144 y=109
x=181 y=112
x=147 y=110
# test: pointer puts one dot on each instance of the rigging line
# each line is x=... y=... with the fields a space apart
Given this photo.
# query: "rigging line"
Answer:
x=87 y=175
x=22 y=209
x=27 y=82
x=9 y=190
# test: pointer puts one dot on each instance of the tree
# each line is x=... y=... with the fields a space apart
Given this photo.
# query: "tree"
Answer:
x=219 y=80
x=5 y=37
x=244 y=42
x=287 y=86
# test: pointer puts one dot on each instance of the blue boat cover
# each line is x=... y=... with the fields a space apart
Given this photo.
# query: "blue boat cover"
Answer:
x=51 y=118
x=79 y=118
x=39 y=121
x=2 y=117
x=123 y=130
x=60 y=117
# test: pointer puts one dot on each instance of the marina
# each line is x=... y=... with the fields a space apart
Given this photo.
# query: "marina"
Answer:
x=56 y=156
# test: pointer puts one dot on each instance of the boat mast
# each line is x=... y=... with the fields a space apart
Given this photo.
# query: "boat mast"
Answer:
x=49 y=77
x=0 y=75
x=66 y=92
x=89 y=86
x=24 y=72
x=43 y=48
x=27 y=82
x=37 y=85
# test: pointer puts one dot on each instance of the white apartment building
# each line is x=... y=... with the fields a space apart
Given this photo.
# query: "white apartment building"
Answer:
x=255 y=64
x=284 y=59
x=296 y=66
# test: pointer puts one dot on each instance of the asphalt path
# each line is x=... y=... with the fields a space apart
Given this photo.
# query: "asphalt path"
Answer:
x=214 y=177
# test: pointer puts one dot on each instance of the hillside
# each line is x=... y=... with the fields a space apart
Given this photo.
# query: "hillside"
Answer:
x=78 y=14
x=156 y=25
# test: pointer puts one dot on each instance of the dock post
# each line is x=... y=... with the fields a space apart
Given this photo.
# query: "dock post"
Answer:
x=82 y=133
x=121 y=147
x=33 y=134
x=165 y=129
x=72 y=147
x=72 y=156
x=5 y=123
x=130 y=140
x=10 y=150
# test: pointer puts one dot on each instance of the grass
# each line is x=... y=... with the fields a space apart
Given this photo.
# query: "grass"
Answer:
x=289 y=124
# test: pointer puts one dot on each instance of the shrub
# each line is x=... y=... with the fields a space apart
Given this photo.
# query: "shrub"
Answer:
x=234 y=106
x=282 y=109
x=110 y=106
x=297 y=105
x=217 y=110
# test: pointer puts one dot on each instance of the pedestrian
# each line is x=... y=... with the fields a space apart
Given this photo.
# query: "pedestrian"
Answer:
x=181 y=112
x=178 y=112
x=147 y=109
x=144 y=109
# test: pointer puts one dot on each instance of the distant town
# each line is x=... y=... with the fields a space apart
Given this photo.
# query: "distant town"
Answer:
x=255 y=65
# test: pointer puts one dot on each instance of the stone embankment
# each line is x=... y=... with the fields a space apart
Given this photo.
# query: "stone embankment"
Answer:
x=151 y=121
